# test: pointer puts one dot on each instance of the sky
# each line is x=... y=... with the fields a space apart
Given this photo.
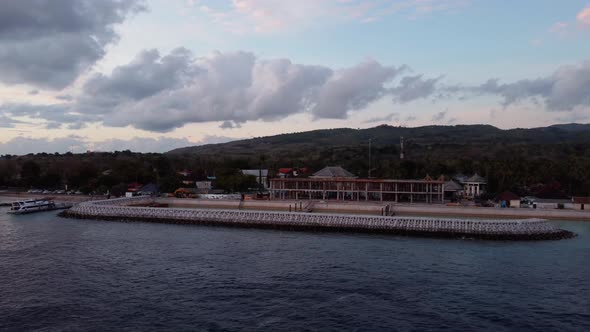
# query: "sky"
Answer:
x=154 y=75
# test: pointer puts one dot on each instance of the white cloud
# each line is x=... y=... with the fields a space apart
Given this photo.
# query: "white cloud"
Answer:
x=565 y=90
x=161 y=93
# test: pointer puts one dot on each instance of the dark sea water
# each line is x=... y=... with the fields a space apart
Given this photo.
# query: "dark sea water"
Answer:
x=73 y=275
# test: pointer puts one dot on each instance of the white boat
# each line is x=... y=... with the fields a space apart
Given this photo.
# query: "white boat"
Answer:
x=35 y=205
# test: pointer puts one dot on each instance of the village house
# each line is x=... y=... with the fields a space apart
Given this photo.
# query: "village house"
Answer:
x=508 y=199
x=473 y=186
x=204 y=187
x=581 y=203
x=453 y=190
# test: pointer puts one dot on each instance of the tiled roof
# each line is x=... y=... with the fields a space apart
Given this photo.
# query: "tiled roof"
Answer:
x=333 y=172
x=477 y=179
x=255 y=172
x=581 y=200
x=453 y=186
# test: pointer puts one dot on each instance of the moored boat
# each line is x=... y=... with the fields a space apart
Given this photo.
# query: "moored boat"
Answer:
x=35 y=205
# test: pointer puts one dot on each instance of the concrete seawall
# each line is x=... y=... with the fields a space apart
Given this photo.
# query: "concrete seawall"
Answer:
x=293 y=206
x=377 y=208
x=122 y=209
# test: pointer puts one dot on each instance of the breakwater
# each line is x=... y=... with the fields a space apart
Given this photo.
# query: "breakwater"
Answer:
x=132 y=209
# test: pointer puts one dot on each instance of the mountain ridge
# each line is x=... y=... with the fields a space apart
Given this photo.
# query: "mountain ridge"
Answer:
x=384 y=135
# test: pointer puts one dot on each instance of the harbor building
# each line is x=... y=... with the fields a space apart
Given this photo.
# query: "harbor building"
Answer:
x=335 y=183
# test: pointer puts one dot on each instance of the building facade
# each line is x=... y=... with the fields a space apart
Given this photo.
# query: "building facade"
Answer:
x=352 y=189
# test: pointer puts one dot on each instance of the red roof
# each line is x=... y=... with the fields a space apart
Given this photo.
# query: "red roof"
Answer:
x=581 y=200
x=135 y=186
x=285 y=170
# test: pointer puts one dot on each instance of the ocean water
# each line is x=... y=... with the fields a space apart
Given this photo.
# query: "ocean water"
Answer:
x=78 y=275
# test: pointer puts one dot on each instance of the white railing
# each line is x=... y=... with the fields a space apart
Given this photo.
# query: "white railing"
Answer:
x=124 y=209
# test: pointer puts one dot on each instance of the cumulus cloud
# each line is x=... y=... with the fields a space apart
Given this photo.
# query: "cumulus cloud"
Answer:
x=77 y=144
x=353 y=89
x=438 y=117
x=565 y=90
x=49 y=43
x=415 y=87
x=148 y=74
x=162 y=92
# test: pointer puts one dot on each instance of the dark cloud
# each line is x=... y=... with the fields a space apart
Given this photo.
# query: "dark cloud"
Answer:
x=440 y=116
x=53 y=125
x=34 y=92
x=48 y=43
x=387 y=118
x=229 y=125
x=8 y=122
x=414 y=87
x=60 y=113
x=64 y=97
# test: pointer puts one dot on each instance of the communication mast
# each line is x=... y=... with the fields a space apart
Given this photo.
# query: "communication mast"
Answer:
x=401 y=150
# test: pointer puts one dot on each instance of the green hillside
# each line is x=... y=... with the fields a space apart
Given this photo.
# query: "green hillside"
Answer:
x=515 y=159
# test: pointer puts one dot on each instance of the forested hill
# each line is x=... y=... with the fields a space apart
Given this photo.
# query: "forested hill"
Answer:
x=555 y=160
x=449 y=138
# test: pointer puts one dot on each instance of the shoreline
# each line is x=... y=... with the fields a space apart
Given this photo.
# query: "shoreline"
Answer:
x=338 y=207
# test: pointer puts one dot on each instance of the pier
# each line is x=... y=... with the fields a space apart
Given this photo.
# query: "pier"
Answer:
x=133 y=209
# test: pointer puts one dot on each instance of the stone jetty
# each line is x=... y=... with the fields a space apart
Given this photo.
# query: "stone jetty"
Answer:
x=137 y=209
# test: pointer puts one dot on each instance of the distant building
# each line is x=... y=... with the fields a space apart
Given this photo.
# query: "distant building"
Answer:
x=581 y=203
x=332 y=172
x=261 y=176
x=149 y=189
x=453 y=190
x=204 y=187
x=508 y=199
x=288 y=172
x=472 y=186
x=134 y=187
x=349 y=188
